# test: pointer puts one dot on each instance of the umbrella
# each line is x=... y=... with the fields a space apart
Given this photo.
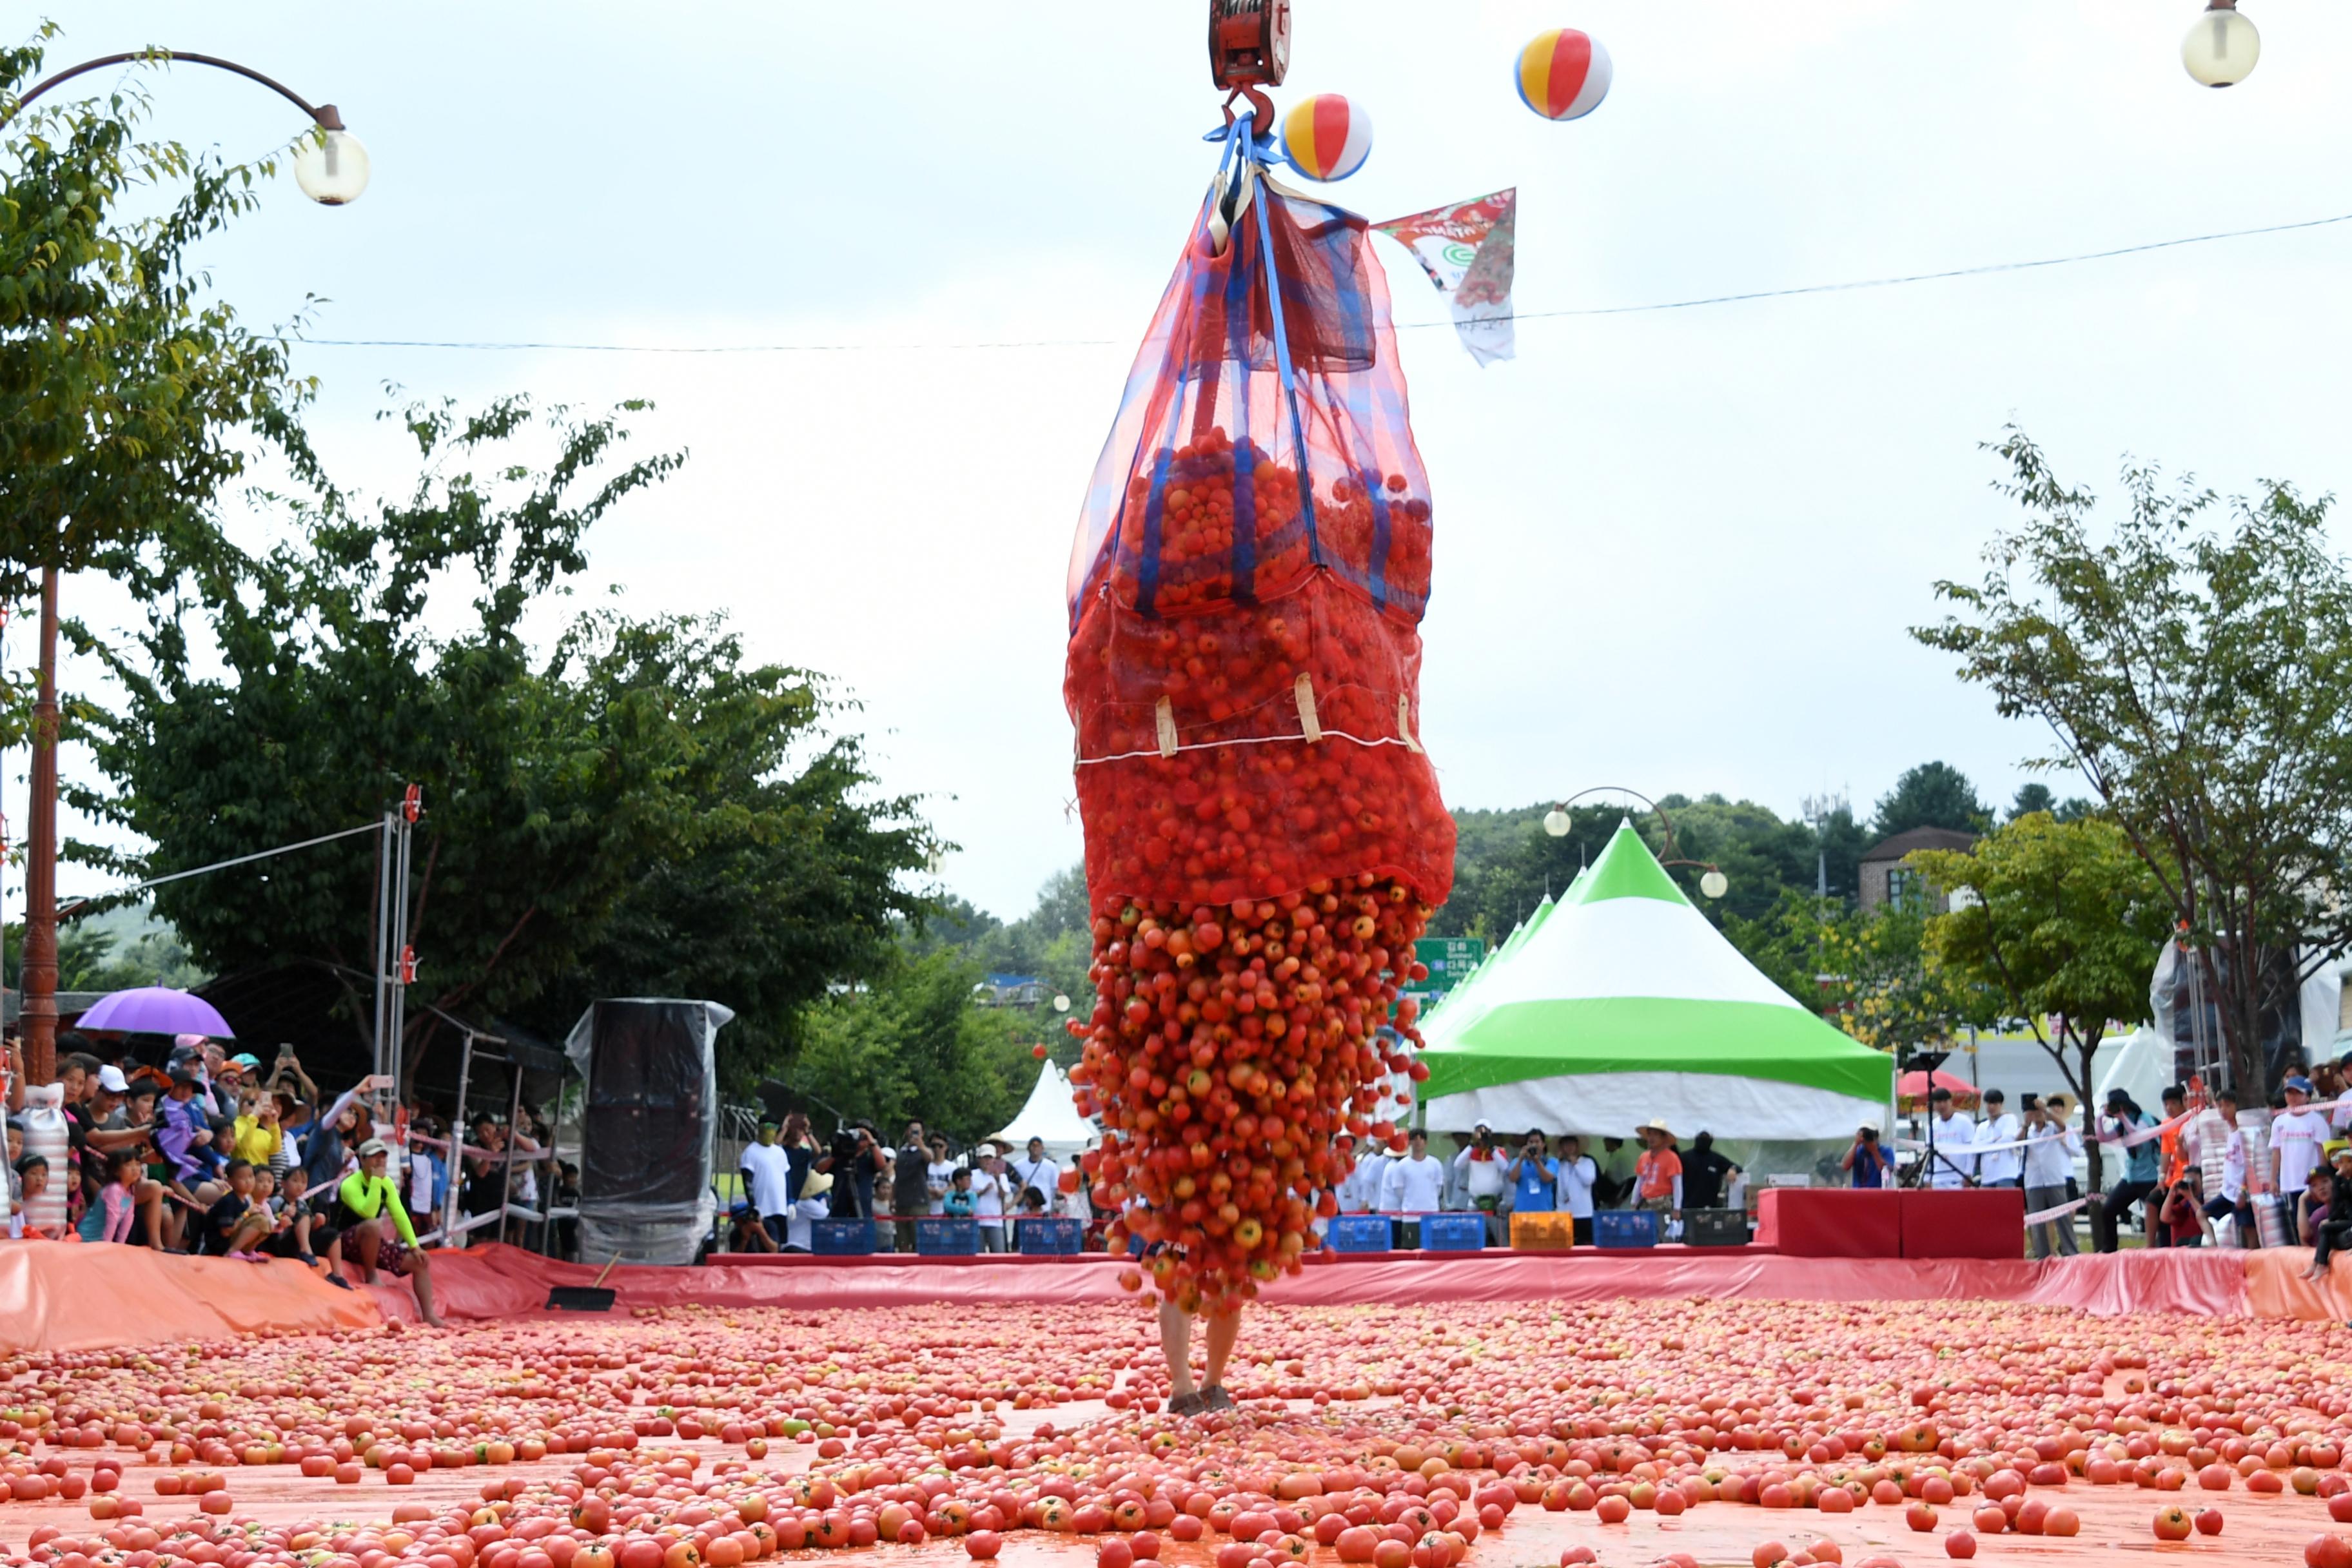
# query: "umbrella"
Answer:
x=157 y=1010
x=1914 y=1086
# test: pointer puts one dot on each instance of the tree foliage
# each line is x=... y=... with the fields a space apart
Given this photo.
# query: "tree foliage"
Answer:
x=1933 y=795
x=912 y=1044
x=127 y=398
x=2065 y=922
x=2194 y=676
x=635 y=810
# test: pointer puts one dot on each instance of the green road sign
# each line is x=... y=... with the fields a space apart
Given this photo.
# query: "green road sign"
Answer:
x=1449 y=959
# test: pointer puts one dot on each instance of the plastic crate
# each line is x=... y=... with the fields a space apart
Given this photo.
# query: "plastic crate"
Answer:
x=1453 y=1232
x=947 y=1235
x=1715 y=1227
x=1361 y=1233
x=1051 y=1236
x=1625 y=1228
x=841 y=1238
x=1554 y=1232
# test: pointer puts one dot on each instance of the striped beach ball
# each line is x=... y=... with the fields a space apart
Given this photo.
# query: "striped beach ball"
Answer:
x=1562 y=74
x=1326 y=138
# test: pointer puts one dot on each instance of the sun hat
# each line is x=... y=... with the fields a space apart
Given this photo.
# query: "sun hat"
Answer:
x=819 y=1182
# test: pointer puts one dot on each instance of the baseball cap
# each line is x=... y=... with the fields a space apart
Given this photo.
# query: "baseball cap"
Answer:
x=2118 y=1097
x=2299 y=1083
x=110 y=1080
x=246 y=1059
x=182 y=1072
x=373 y=1147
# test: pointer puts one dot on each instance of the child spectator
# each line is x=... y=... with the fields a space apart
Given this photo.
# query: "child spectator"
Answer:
x=234 y=1223
x=118 y=1202
x=255 y=1136
x=33 y=1182
x=958 y=1204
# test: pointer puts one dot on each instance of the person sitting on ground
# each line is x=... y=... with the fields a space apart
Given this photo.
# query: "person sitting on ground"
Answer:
x=2313 y=1204
x=255 y=1137
x=304 y=1233
x=747 y=1229
x=2332 y=1232
x=360 y=1204
x=234 y=1223
x=118 y=1202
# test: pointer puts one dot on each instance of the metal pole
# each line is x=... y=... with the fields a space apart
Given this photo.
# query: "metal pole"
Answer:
x=506 y=1172
x=382 y=933
x=39 y=1013
x=456 y=1142
x=394 y=1045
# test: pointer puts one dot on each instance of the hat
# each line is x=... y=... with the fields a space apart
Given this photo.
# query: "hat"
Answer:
x=182 y=1073
x=110 y=1080
x=246 y=1059
x=739 y=1206
x=1657 y=1124
x=2299 y=1083
x=819 y=1182
x=373 y=1147
x=1482 y=1127
x=2118 y=1097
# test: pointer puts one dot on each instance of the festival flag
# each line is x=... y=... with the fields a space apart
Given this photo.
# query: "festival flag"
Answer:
x=1466 y=248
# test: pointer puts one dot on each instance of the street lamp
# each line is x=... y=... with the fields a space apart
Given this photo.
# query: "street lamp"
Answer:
x=333 y=171
x=1712 y=882
x=2221 y=50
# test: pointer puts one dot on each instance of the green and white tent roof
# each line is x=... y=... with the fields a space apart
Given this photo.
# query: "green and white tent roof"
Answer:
x=1626 y=1004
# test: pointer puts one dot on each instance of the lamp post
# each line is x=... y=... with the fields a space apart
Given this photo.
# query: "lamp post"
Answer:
x=332 y=169
x=1712 y=882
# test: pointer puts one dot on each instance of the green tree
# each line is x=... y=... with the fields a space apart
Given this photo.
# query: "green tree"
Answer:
x=1933 y=795
x=618 y=814
x=1883 y=991
x=1790 y=942
x=912 y=1043
x=2194 y=677
x=2031 y=798
x=2064 y=920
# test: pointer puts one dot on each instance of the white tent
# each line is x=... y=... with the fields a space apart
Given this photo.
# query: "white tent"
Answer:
x=2142 y=1067
x=1052 y=1114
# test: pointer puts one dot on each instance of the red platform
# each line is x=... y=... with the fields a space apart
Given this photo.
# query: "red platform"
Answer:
x=1967 y=1222
x=1832 y=1222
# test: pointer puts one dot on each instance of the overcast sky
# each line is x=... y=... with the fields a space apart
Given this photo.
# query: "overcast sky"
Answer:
x=1677 y=551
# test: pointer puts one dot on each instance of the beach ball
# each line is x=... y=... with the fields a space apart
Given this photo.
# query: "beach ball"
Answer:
x=1326 y=138
x=1562 y=74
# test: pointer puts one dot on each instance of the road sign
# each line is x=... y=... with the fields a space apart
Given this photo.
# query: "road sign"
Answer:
x=1449 y=959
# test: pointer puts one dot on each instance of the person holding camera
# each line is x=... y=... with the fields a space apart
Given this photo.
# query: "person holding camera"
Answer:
x=1481 y=1170
x=1868 y=1160
x=1535 y=1179
x=2050 y=1146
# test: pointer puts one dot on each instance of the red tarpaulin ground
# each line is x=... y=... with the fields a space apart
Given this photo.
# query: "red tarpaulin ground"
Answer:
x=501 y=1281
x=59 y=1296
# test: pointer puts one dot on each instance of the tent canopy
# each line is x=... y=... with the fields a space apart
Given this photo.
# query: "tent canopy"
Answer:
x=1626 y=1003
x=1052 y=1114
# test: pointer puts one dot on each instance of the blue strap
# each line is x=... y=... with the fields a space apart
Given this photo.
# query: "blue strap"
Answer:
x=1282 y=348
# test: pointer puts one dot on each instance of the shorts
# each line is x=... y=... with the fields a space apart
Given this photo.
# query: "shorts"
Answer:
x=393 y=1256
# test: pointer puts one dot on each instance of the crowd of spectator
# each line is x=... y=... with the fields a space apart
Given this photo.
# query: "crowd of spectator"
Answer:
x=790 y=1180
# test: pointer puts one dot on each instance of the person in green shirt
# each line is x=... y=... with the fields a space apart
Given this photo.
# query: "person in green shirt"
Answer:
x=364 y=1200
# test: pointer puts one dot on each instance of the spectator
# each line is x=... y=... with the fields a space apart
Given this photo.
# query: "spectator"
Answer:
x=181 y=1133
x=428 y=1172
x=2231 y=1201
x=2050 y=1146
x=1658 y=1175
x=2340 y=1117
x=1996 y=1165
x=32 y=1184
x=989 y=1191
x=1867 y=1162
x=2297 y=1136
x=1535 y=1179
x=1617 y=1160
x=2172 y=1146
x=861 y=1153
x=1481 y=1179
x=801 y=1149
x=235 y=1223
x=1456 y=1196
x=567 y=1196
x=2331 y=1232
x=813 y=1204
x=2125 y=1118
x=1950 y=1135
x=363 y=1200
x=958 y=1201
x=910 y=1182
x=2183 y=1212
x=1033 y=1207
x=117 y=1204
x=255 y=1136
x=1037 y=1171
x=1413 y=1185
x=306 y=1233
x=1361 y=1194
x=1579 y=1175
x=1704 y=1172
x=766 y=1167
x=482 y=1194
x=2311 y=1211
x=939 y=1175
x=747 y=1229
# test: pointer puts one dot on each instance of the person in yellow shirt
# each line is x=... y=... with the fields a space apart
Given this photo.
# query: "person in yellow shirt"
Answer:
x=364 y=1201
x=255 y=1136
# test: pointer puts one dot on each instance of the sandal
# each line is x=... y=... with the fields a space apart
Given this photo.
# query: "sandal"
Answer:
x=1187 y=1403
x=1215 y=1398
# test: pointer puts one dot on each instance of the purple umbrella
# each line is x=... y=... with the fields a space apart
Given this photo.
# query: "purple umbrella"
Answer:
x=156 y=1010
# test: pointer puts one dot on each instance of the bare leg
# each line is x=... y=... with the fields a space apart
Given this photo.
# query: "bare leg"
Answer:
x=360 y=1243
x=420 y=1277
x=147 y=1197
x=1224 y=1330
x=1176 y=1343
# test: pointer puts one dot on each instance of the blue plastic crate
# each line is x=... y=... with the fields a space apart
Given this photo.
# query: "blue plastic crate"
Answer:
x=1453 y=1232
x=1625 y=1228
x=1361 y=1232
x=841 y=1238
x=947 y=1235
x=1052 y=1236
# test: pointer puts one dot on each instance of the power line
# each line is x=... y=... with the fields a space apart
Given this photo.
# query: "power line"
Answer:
x=1848 y=287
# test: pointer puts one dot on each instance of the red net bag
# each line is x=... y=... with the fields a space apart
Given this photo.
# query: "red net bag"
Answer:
x=1265 y=839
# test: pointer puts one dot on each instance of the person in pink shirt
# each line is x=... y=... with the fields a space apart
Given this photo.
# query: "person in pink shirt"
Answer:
x=124 y=1170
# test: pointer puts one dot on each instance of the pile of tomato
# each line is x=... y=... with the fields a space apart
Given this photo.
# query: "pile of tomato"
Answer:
x=1236 y=1055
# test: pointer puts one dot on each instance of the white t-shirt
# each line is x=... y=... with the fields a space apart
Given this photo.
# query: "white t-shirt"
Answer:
x=987 y=1196
x=2233 y=1166
x=941 y=1177
x=1487 y=1178
x=2297 y=1135
x=1363 y=1192
x=798 y=1230
x=1040 y=1174
x=1413 y=1186
x=1998 y=1164
x=1951 y=1165
x=2049 y=1155
x=769 y=1170
x=1576 y=1179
